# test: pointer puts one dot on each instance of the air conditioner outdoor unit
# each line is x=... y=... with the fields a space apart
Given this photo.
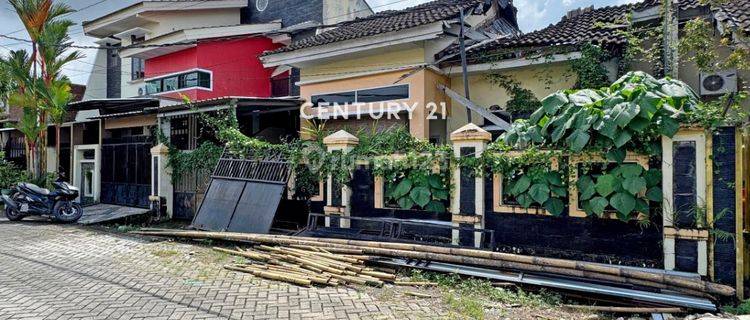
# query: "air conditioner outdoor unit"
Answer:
x=717 y=83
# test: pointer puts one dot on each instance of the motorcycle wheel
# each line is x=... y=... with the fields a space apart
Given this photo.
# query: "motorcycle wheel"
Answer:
x=13 y=215
x=67 y=211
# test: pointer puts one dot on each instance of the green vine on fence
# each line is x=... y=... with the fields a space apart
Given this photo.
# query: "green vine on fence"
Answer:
x=630 y=115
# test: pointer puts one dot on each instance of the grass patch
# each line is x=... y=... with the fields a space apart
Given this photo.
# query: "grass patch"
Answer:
x=467 y=297
x=741 y=309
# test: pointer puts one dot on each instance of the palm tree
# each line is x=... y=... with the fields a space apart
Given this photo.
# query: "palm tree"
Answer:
x=54 y=51
x=41 y=95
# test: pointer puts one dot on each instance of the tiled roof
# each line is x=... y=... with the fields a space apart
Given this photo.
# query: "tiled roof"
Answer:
x=384 y=22
x=591 y=25
x=735 y=13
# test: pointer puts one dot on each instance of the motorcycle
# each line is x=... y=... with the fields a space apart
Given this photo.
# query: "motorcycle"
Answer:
x=27 y=199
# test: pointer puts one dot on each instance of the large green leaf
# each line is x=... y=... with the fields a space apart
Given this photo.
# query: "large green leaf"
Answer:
x=623 y=203
x=598 y=205
x=521 y=185
x=606 y=184
x=586 y=187
x=641 y=206
x=525 y=200
x=440 y=194
x=553 y=178
x=539 y=192
x=536 y=116
x=653 y=177
x=421 y=196
x=405 y=203
x=631 y=170
x=639 y=124
x=402 y=189
x=608 y=129
x=578 y=140
x=554 y=206
x=616 y=155
x=559 y=191
x=622 y=138
x=634 y=185
x=649 y=104
x=655 y=194
x=625 y=112
x=435 y=206
x=554 y=102
x=435 y=181
x=669 y=126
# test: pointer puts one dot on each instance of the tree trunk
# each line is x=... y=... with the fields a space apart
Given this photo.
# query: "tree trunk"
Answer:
x=57 y=147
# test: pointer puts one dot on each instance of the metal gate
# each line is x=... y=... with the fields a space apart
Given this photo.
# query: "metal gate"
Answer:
x=126 y=171
x=244 y=193
x=189 y=190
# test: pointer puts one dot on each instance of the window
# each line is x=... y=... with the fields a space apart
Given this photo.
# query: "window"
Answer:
x=383 y=94
x=340 y=98
x=195 y=79
x=364 y=96
x=137 y=69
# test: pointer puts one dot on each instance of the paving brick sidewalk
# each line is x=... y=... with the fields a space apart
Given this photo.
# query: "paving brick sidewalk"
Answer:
x=50 y=271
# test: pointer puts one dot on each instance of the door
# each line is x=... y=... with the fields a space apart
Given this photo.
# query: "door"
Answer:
x=126 y=171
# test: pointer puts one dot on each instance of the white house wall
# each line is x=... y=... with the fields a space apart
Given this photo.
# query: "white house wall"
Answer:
x=335 y=11
x=96 y=87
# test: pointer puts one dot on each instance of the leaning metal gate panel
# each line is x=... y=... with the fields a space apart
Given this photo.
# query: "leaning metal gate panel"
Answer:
x=244 y=193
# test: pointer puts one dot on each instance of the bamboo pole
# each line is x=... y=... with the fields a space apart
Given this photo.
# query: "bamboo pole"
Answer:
x=466 y=256
x=272 y=276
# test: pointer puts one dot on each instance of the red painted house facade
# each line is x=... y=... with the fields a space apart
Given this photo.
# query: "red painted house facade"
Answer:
x=212 y=69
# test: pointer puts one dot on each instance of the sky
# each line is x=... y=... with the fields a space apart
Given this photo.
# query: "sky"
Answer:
x=532 y=15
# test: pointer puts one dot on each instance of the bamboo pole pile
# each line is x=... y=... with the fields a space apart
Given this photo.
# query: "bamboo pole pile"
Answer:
x=471 y=257
x=306 y=266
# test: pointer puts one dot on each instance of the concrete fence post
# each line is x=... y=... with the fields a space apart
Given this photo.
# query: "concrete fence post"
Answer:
x=467 y=200
x=338 y=196
x=161 y=177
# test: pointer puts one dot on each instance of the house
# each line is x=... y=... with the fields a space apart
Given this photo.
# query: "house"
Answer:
x=155 y=54
x=394 y=60
x=386 y=64
x=540 y=60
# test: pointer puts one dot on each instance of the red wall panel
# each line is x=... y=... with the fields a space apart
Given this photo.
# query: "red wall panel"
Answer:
x=236 y=69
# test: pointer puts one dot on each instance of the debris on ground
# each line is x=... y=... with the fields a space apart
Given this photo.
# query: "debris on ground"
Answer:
x=331 y=262
x=305 y=266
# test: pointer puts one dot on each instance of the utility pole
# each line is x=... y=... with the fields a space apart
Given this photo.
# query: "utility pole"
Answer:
x=462 y=47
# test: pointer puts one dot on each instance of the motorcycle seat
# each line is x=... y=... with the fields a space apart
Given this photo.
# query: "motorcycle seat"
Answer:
x=34 y=188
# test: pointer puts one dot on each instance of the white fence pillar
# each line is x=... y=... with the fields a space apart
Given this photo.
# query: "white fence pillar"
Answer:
x=161 y=177
x=343 y=142
x=467 y=200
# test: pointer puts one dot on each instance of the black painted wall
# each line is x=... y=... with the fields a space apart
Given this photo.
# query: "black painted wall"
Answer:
x=724 y=201
x=290 y=12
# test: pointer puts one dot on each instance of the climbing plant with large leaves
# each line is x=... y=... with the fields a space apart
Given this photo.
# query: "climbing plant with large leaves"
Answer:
x=629 y=116
x=529 y=177
x=415 y=181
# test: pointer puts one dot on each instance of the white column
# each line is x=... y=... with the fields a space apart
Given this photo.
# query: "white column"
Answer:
x=161 y=178
x=344 y=142
x=475 y=138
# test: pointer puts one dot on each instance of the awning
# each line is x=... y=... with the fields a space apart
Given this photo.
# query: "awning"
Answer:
x=267 y=104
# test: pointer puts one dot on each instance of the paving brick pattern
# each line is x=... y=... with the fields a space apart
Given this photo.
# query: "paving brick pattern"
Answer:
x=50 y=271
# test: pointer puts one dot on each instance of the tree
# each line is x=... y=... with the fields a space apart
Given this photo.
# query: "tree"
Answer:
x=43 y=93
